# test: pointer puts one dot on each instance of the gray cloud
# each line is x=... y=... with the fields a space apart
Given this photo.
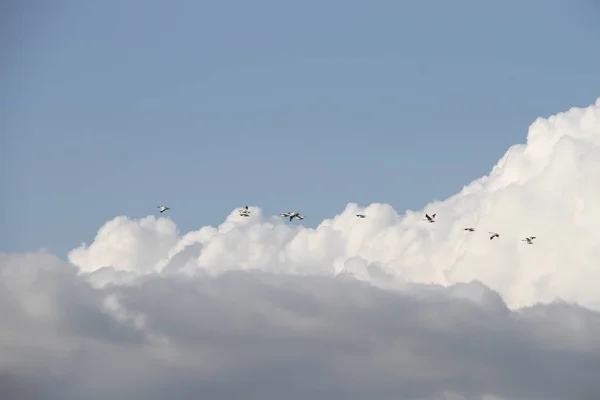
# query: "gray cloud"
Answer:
x=254 y=335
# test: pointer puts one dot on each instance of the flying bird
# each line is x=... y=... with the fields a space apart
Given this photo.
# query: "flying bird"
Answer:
x=494 y=235
x=429 y=219
x=162 y=209
x=469 y=229
x=244 y=211
x=361 y=215
x=291 y=215
x=529 y=239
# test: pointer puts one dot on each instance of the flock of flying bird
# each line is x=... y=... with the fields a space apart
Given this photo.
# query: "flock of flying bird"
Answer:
x=431 y=219
x=245 y=212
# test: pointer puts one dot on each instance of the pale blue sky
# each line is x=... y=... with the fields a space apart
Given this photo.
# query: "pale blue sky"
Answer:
x=113 y=107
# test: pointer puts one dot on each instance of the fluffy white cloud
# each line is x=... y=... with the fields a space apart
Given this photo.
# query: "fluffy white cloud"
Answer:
x=383 y=307
x=548 y=188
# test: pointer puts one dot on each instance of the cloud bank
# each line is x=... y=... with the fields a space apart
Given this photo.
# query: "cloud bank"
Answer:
x=388 y=306
x=548 y=188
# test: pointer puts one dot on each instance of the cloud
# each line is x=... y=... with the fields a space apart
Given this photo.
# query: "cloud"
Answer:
x=256 y=335
x=383 y=307
x=548 y=188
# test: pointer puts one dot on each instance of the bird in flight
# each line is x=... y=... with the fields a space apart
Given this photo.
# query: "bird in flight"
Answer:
x=162 y=209
x=430 y=219
x=291 y=215
x=494 y=235
x=244 y=211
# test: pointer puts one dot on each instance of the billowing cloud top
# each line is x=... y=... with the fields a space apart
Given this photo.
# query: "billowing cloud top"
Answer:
x=385 y=307
x=548 y=188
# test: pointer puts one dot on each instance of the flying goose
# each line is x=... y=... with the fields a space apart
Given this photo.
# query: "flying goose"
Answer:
x=162 y=209
x=291 y=215
x=361 y=215
x=244 y=212
x=494 y=235
x=429 y=219
x=469 y=229
x=529 y=239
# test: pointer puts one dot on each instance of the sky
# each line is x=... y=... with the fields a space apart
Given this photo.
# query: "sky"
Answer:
x=487 y=116
x=111 y=108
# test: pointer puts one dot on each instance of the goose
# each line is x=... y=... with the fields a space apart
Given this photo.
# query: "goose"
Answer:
x=429 y=219
x=529 y=240
x=361 y=215
x=244 y=212
x=469 y=229
x=291 y=215
x=162 y=209
x=494 y=235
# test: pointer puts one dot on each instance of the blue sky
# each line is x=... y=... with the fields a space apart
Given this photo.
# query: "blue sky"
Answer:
x=113 y=107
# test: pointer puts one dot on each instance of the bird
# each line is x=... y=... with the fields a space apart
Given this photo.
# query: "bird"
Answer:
x=291 y=215
x=244 y=211
x=494 y=235
x=162 y=209
x=469 y=229
x=529 y=240
x=361 y=215
x=429 y=219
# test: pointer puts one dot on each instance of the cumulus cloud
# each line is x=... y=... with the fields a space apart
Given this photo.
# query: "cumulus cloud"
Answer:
x=548 y=188
x=384 y=307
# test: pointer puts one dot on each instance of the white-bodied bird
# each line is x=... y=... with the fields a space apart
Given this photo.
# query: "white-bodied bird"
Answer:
x=244 y=212
x=291 y=215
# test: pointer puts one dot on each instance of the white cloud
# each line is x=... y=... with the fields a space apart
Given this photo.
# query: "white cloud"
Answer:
x=548 y=187
x=263 y=308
